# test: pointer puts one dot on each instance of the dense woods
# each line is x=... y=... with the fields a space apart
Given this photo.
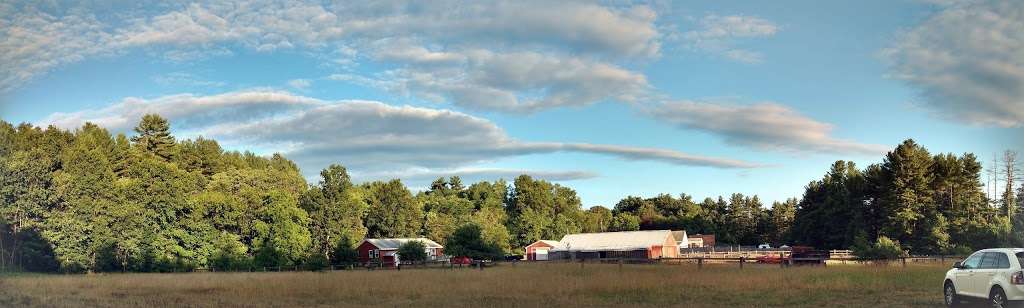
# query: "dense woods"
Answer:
x=87 y=200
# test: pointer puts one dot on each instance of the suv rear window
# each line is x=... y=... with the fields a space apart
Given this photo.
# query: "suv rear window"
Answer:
x=1020 y=259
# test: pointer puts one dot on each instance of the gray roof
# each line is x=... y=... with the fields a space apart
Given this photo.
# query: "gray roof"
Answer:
x=679 y=235
x=614 y=241
x=394 y=243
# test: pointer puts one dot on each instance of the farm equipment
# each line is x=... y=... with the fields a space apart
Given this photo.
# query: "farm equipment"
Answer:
x=808 y=255
x=797 y=255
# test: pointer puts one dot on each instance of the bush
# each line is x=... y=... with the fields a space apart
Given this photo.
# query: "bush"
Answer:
x=315 y=261
x=268 y=256
x=345 y=253
x=229 y=254
x=414 y=251
x=883 y=248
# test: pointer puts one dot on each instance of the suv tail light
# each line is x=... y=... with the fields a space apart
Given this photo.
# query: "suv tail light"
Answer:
x=1017 y=278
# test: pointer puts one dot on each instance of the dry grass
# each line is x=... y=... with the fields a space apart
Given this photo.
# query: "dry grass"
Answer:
x=522 y=285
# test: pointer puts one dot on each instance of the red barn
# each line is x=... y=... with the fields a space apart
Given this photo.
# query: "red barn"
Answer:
x=538 y=251
x=384 y=249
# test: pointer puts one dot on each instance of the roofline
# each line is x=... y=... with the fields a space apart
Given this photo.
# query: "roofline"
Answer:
x=419 y=239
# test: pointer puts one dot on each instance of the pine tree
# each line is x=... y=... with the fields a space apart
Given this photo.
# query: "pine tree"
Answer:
x=912 y=215
x=154 y=137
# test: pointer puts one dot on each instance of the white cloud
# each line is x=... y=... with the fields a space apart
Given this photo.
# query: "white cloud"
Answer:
x=364 y=135
x=35 y=44
x=300 y=84
x=520 y=82
x=718 y=34
x=473 y=174
x=185 y=79
x=35 y=39
x=967 y=63
x=187 y=111
x=764 y=125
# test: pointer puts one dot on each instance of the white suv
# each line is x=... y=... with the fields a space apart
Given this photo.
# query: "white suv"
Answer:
x=993 y=274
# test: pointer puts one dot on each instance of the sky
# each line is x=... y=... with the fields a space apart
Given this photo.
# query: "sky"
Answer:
x=611 y=98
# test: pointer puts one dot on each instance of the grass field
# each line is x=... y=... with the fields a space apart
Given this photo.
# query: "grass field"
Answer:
x=522 y=285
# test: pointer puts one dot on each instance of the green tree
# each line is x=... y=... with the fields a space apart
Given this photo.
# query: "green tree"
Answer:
x=831 y=212
x=154 y=137
x=200 y=155
x=597 y=219
x=393 y=210
x=467 y=241
x=625 y=222
x=335 y=209
x=229 y=253
x=344 y=252
x=282 y=224
x=913 y=216
x=538 y=209
x=782 y=216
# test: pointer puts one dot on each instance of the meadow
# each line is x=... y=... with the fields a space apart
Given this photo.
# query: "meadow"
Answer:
x=521 y=285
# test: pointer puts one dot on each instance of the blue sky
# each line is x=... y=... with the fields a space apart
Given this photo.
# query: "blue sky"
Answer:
x=611 y=98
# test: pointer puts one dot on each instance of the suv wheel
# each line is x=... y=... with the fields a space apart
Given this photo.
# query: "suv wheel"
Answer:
x=998 y=298
x=949 y=292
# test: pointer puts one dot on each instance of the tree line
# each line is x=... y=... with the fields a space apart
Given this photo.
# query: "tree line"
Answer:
x=87 y=200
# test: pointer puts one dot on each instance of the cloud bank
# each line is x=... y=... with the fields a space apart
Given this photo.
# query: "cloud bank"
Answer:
x=763 y=125
x=966 y=62
x=367 y=136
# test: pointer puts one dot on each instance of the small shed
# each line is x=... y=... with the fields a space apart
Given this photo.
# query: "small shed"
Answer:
x=706 y=240
x=384 y=250
x=538 y=251
x=651 y=244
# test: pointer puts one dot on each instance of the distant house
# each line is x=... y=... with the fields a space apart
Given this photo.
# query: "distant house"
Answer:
x=702 y=240
x=384 y=250
x=694 y=242
x=538 y=251
x=650 y=244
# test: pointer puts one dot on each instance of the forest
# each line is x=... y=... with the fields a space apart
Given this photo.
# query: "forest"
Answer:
x=90 y=201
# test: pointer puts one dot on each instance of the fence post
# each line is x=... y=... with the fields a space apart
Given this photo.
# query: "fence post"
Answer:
x=782 y=260
x=700 y=262
x=742 y=260
x=620 y=264
x=904 y=261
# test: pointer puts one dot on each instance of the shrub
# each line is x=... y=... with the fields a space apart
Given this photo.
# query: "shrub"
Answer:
x=315 y=261
x=883 y=248
x=414 y=251
x=345 y=253
x=467 y=241
x=229 y=253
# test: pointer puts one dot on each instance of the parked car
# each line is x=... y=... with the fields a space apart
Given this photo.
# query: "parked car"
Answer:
x=764 y=246
x=462 y=260
x=996 y=275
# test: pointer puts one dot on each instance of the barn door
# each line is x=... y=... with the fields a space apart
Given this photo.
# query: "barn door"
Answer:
x=541 y=254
